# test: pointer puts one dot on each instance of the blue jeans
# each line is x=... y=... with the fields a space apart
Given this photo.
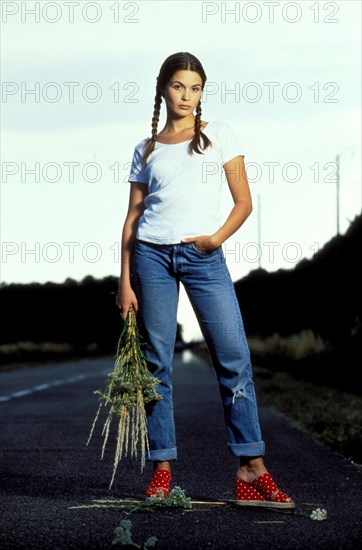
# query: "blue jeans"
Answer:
x=156 y=274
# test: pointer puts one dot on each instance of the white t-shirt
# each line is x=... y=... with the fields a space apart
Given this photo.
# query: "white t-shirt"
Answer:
x=183 y=190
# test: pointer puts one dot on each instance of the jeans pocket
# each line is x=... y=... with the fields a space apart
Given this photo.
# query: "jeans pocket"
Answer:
x=194 y=247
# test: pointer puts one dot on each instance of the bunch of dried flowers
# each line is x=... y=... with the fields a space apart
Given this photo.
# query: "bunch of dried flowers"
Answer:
x=129 y=387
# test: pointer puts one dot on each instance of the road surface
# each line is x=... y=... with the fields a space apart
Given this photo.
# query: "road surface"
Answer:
x=54 y=488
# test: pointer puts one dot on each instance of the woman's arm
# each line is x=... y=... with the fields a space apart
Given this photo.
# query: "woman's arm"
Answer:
x=126 y=296
x=239 y=187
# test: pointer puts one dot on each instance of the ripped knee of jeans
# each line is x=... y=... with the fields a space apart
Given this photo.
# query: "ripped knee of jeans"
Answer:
x=238 y=393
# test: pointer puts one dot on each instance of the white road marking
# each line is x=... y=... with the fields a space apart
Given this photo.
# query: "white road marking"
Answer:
x=41 y=387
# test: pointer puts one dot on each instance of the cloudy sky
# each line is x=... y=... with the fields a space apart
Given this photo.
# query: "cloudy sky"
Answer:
x=78 y=83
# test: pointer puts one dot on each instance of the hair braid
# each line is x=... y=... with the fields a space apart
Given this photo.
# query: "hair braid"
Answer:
x=196 y=141
x=150 y=144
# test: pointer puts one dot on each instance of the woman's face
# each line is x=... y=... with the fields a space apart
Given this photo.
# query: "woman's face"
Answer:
x=183 y=89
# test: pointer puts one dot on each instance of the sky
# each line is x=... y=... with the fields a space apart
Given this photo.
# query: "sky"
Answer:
x=78 y=86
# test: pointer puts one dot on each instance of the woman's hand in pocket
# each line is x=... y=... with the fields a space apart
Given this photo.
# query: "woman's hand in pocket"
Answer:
x=204 y=243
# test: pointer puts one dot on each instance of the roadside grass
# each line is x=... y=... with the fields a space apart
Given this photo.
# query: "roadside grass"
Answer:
x=330 y=416
x=32 y=354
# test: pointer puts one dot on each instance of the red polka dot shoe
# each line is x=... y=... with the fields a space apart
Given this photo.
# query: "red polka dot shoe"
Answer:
x=266 y=486
x=160 y=484
x=261 y=492
x=246 y=495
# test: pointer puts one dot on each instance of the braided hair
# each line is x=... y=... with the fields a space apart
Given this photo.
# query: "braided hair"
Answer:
x=177 y=62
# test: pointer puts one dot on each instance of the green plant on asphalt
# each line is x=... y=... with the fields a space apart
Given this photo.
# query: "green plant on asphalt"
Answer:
x=124 y=537
x=319 y=514
x=129 y=386
x=175 y=498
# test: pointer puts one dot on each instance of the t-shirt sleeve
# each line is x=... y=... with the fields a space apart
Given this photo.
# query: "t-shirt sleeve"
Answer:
x=229 y=144
x=138 y=172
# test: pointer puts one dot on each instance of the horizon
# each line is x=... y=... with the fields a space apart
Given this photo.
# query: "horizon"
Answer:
x=332 y=246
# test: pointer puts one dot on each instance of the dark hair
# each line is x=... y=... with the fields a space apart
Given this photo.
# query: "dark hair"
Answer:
x=177 y=62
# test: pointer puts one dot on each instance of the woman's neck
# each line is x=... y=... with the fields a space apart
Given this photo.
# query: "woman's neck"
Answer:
x=175 y=126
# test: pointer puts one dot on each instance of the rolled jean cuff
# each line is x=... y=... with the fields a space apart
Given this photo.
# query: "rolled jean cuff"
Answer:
x=247 y=449
x=162 y=454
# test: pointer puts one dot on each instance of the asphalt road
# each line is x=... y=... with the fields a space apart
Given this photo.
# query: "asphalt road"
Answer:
x=53 y=485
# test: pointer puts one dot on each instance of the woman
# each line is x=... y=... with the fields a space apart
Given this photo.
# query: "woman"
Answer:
x=172 y=233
